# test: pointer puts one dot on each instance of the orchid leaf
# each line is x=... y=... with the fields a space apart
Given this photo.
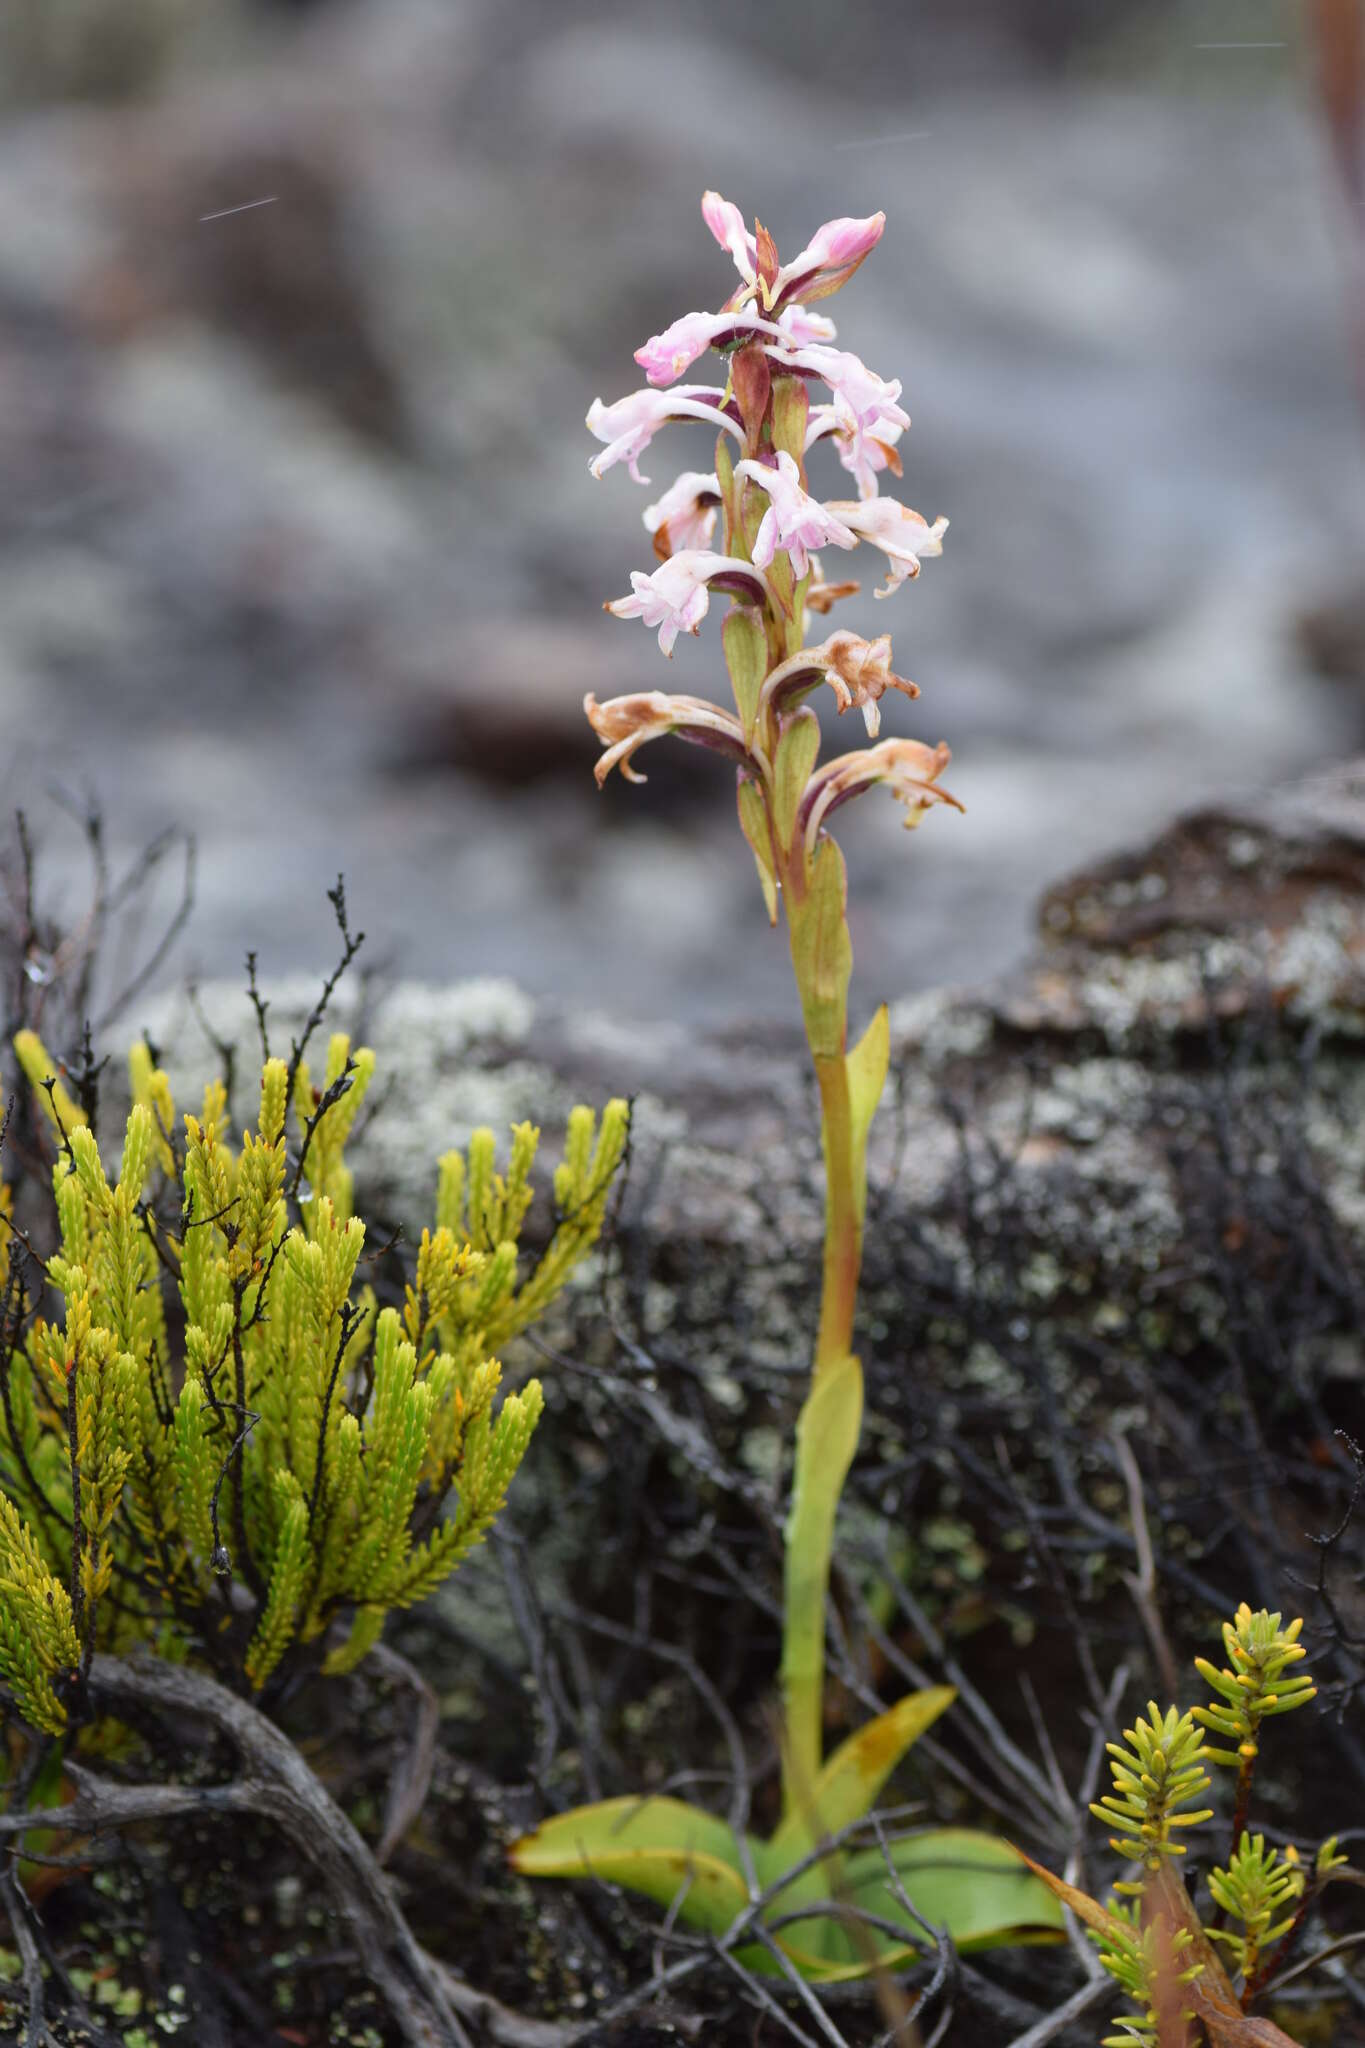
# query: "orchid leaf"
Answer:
x=867 y=1065
x=976 y=1886
x=842 y=1792
x=664 y=1849
x=848 y=1786
x=753 y=820
x=792 y=763
x=746 y=658
x=822 y=953
x=826 y=1438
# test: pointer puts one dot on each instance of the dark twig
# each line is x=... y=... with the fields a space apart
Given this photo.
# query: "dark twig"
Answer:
x=351 y=945
x=275 y=1783
x=37 y=2033
x=180 y=917
x=410 y=1778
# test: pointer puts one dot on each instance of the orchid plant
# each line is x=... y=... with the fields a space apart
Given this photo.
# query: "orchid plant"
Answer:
x=838 y=1913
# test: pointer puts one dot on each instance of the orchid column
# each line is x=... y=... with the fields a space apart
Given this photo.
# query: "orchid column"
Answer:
x=778 y=355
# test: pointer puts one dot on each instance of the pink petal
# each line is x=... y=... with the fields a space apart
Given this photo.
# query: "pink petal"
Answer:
x=829 y=259
x=726 y=223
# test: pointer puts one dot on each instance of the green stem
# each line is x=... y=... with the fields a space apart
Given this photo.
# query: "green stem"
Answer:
x=828 y=1426
x=843 y=1215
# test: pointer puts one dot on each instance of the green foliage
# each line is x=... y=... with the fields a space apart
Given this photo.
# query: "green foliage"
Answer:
x=1133 y=1957
x=1154 y=1778
x=1256 y=1682
x=691 y=1862
x=214 y=1438
x=1261 y=1888
x=1153 y=1941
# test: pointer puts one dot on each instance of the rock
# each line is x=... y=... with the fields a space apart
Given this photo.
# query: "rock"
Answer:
x=1205 y=987
x=307 y=482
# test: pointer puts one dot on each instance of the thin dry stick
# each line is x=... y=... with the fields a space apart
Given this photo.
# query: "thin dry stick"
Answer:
x=1079 y=2003
x=1142 y=1584
x=37 y=2033
x=410 y=1780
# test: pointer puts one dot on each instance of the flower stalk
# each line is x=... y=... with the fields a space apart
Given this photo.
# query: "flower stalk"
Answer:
x=771 y=525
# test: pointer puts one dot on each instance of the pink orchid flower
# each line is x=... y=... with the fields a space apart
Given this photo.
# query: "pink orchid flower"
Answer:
x=822 y=596
x=625 y=723
x=794 y=520
x=909 y=770
x=829 y=259
x=863 y=447
x=902 y=535
x=826 y=263
x=858 y=671
x=726 y=223
x=665 y=356
x=802 y=327
x=685 y=516
x=631 y=423
x=676 y=596
x=867 y=396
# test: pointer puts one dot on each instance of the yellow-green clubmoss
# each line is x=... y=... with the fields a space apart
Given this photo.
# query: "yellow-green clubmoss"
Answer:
x=213 y=1439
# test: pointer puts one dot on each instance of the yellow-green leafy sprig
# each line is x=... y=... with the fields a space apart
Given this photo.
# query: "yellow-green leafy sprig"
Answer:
x=333 y=1458
x=1259 y=1680
x=1155 y=1780
x=1134 y=1957
x=1261 y=1887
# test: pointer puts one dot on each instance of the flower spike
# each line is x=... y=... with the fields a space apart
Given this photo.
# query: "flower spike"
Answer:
x=768 y=527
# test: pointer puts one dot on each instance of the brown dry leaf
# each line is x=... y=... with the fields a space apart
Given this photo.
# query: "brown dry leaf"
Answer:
x=1086 y=1909
x=1228 y=2026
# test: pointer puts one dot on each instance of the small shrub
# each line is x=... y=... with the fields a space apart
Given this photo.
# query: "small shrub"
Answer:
x=215 y=1442
x=1181 y=1967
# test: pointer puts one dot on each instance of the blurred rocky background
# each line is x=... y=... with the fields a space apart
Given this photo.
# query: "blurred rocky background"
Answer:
x=301 y=307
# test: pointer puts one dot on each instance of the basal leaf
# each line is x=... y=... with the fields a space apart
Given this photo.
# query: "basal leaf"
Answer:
x=826 y=1438
x=848 y=1786
x=977 y=1886
x=661 y=1848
